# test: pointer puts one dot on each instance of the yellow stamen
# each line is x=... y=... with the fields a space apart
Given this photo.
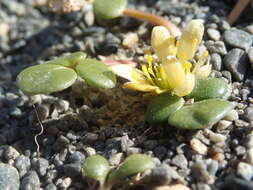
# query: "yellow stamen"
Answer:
x=187 y=66
x=147 y=74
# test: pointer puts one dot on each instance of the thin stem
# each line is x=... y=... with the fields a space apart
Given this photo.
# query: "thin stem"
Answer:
x=238 y=8
x=157 y=20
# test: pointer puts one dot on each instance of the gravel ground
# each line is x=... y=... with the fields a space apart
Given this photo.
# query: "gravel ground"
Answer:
x=83 y=121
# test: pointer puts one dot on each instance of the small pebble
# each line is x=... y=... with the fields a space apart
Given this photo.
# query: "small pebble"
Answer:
x=30 y=181
x=245 y=170
x=5 y=28
x=231 y=116
x=216 y=61
x=215 y=137
x=198 y=146
x=130 y=40
x=23 y=164
x=180 y=161
x=249 y=156
x=238 y=39
x=216 y=47
x=11 y=153
x=9 y=177
x=236 y=62
x=213 y=34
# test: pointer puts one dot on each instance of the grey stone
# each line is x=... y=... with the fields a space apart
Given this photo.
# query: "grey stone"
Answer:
x=30 y=181
x=50 y=186
x=245 y=170
x=227 y=75
x=224 y=25
x=249 y=29
x=250 y=56
x=201 y=173
x=11 y=153
x=163 y=174
x=238 y=39
x=160 y=152
x=77 y=157
x=125 y=143
x=41 y=165
x=244 y=94
x=248 y=114
x=51 y=175
x=180 y=161
x=213 y=34
x=72 y=170
x=90 y=138
x=150 y=144
x=23 y=164
x=9 y=177
x=235 y=183
x=249 y=141
x=216 y=47
x=61 y=143
x=64 y=183
x=216 y=61
x=236 y=62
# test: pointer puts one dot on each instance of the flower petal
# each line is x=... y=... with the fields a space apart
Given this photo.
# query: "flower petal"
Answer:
x=190 y=39
x=128 y=72
x=140 y=86
x=203 y=71
x=162 y=42
x=187 y=86
x=174 y=70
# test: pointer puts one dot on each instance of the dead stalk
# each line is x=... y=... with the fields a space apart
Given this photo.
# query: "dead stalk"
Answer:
x=154 y=19
x=238 y=8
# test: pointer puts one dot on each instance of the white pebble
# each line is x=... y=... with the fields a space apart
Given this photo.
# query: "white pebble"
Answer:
x=130 y=40
x=224 y=124
x=249 y=156
x=231 y=116
x=215 y=137
x=198 y=146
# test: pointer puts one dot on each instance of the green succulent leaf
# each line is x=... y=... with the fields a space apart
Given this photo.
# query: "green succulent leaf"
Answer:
x=207 y=88
x=70 y=60
x=96 y=73
x=109 y=9
x=134 y=164
x=96 y=167
x=45 y=79
x=162 y=106
x=200 y=114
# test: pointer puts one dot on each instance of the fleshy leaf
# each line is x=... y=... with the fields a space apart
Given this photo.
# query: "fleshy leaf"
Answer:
x=162 y=106
x=69 y=60
x=134 y=164
x=96 y=74
x=200 y=115
x=207 y=88
x=96 y=167
x=109 y=9
x=45 y=79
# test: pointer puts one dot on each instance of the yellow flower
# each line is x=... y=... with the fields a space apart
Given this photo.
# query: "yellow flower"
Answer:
x=176 y=70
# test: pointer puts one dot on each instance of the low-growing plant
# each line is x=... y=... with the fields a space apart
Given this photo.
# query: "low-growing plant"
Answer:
x=61 y=73
x=97 y=168
x=175 y=76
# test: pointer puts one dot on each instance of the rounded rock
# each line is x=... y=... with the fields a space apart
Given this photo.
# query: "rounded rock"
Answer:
x=9 y=177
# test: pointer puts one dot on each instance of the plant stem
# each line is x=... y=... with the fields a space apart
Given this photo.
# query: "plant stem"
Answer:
x=238 y=8
x=157 y=20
